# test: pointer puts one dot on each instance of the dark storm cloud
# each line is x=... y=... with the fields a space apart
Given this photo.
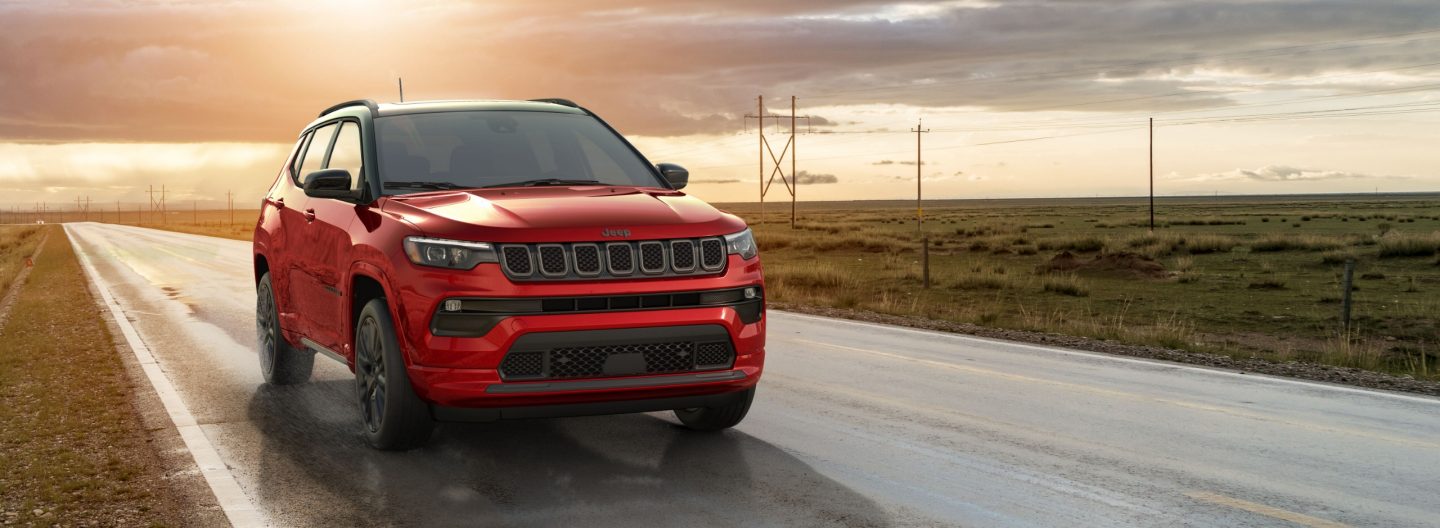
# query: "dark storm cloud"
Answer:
x=232 y=71
x=808 y=178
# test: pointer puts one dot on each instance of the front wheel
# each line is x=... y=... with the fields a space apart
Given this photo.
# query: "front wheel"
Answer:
x=280 y=363
x=395 y=418
x=717 y=418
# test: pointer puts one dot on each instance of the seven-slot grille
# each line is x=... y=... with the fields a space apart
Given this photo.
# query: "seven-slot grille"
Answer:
x=648 y=258
x=577 y=362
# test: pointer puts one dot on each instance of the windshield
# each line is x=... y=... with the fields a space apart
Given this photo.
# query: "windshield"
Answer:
x=423 y=152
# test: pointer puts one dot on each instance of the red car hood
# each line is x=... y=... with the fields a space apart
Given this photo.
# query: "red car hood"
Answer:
x=561 y=214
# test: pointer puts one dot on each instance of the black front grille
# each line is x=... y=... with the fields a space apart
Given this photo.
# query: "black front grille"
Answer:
x=587 y=259
x=682 y=255
x=614 y=360
x=523 y=365
x=622 y=259
x=517 y=260
x=552 y=260
x=712 y=253
x=593 y=260
x=712 y=355
x=652 y=257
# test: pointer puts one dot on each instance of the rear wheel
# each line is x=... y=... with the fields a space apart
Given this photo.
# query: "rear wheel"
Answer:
x=280 y=363
x=395 y=418
x=717 y=418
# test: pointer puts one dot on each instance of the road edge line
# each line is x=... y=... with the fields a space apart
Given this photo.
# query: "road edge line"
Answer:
x=1111 y=357
x=238 y=508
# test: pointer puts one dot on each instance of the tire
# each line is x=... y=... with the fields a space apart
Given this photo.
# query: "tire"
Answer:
x=717 y=418
x=393 y=417
x=280 y=363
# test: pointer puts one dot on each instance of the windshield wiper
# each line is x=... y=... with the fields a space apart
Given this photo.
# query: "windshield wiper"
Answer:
x=547 y=181
x=421 y=185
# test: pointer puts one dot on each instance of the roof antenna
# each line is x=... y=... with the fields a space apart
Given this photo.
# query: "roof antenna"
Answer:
x=401 y=81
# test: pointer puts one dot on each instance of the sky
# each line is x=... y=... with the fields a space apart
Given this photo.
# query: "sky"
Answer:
x=1026 y=98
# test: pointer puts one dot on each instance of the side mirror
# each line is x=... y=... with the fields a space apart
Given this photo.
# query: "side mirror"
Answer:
x=675 y=174
x=329 y=183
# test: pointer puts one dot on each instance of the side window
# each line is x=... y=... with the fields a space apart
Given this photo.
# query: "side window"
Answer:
x=315 y=152
x=346 y=154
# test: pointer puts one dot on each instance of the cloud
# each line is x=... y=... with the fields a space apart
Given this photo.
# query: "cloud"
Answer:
x=808 y=178
x=1282 y=173
x=122 y=72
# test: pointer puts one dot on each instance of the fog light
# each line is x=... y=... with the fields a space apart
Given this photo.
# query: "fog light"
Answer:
x=751 y=293
x=453 y=305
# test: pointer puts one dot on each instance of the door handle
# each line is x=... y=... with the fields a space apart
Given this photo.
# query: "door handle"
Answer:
x=309 y=215
x=279 y=203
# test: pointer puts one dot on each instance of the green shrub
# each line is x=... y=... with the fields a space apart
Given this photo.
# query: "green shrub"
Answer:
x=1336 y=257
x=1065 y=285
x=1267 y=284
x=1081 y=244
x=1409 y=245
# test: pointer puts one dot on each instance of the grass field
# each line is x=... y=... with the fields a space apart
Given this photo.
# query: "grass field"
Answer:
x=75 y=451
x=1251 y=276
x=1246 y=277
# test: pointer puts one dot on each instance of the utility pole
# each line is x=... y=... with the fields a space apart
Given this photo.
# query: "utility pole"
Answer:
x=230 y=204
x=401 y=82
x=1152 y=175
x=157 y=205
x=919 y=207
x=791 y=181
x=194 y=211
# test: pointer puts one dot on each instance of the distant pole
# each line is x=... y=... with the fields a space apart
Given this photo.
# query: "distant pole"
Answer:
x=919 y=207
x=1152 y=174
x=194 y=211
x=1345 y=304
x=795 y=189
x=230 y=204
x=760 y=111
x=401 y=82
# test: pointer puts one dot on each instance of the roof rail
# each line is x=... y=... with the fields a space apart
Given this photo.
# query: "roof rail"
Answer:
x=367 y=103
x=558 y=101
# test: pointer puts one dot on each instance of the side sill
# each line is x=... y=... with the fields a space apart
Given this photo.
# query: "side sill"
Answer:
x=317 y=347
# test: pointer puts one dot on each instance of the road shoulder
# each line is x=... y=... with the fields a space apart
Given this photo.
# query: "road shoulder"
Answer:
x=84 y=441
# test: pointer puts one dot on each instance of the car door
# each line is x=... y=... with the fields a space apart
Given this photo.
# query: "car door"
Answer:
x=301 y=263
x=329 y=252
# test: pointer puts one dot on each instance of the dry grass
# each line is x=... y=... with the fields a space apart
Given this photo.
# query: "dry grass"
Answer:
x=1070 y=285
x=1409 y=245
x=16 y=243
x=74 y=448
x=1278 y=242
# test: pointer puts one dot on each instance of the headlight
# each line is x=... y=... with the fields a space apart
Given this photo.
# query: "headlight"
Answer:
x=742 y=243
x=453 y=254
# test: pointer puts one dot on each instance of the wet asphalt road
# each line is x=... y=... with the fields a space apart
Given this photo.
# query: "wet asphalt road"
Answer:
x=854 y=425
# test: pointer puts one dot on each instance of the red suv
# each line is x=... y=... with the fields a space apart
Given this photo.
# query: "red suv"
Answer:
x=484 y=260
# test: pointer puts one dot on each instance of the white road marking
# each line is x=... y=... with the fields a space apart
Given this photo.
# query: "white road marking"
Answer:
x=1097 y=355
x=238 y=508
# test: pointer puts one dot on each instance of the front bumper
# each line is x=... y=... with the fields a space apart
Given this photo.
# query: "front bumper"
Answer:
x=465 y=372
x=481 y=384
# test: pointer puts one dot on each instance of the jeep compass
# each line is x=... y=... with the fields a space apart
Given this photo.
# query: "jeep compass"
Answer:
x=485 y=260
